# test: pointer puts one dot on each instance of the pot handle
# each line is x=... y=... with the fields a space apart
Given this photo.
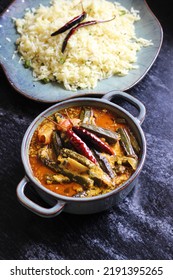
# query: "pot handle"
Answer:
x=35 y=208
x=132 y=100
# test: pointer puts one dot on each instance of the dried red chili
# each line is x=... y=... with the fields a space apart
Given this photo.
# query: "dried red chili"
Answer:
x=80 y=25
x=70 y=24
x=80 y=146
x=93 y=139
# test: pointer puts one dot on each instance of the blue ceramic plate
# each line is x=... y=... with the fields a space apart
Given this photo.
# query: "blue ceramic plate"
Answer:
x=22 y=80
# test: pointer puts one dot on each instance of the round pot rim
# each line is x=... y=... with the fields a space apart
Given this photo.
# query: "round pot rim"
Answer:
x=48 y=112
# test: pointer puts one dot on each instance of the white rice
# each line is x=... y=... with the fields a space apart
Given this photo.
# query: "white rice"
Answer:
x=93 y=53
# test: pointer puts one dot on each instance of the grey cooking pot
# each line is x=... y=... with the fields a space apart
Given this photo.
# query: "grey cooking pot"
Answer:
x=76 y=205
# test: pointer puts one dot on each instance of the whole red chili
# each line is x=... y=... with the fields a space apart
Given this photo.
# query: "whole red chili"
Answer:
x=80 y=25
x=70 y=24
x=80 y=146
x=93 y=139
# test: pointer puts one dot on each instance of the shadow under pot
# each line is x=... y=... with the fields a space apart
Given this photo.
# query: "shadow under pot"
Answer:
x=83 y=204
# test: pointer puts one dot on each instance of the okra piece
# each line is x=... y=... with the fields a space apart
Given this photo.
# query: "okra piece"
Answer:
x=65 y=141
x=75 y=171
x=134 y=142
x=57 y=143
x=82 y=180
x=100 y=177
x=127 y=160
x=110 y=136
x=94 y=172
x=104 y=164
x=47 y=156
x=86 y=115
x=76 y=156
x=125 y=142
x=56 y=179
x=72 y=165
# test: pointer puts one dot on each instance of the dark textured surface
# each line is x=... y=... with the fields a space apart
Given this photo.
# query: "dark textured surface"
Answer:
x=141 y=227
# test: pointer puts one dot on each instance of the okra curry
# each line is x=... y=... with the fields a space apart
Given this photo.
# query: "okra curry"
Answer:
x=83 y=152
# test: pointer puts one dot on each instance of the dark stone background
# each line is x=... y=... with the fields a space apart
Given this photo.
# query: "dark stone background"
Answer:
x=141 y=227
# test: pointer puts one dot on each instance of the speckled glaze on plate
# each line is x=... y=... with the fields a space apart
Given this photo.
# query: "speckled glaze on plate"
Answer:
x=22 y=80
